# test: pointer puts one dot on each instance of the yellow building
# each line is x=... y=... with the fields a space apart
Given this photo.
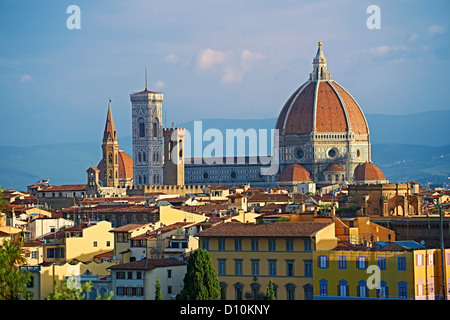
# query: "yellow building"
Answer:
x=81 y=242
x=167 y=216
x=44 y=276
x=393 y=272
x=247 y=256
x=428 y=284
x=122 y=236
x=354 y=230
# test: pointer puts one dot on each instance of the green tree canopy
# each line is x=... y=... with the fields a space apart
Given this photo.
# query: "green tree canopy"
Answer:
x=158 y=294
x=13 y=281
x=66 y=290
x=201 y=280
x=270 y=294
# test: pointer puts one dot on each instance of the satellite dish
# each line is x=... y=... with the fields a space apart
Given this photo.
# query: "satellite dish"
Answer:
x=422 y=242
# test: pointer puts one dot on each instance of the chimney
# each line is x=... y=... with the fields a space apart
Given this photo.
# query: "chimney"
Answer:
x=315 y=211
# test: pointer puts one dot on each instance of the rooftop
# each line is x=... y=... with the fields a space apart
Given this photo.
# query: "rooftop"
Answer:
x=148 y=264
x=276 y=229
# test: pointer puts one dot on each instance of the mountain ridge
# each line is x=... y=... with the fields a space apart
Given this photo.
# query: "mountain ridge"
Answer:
x=406 y=147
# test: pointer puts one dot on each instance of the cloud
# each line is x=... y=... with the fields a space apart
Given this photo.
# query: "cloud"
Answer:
x=413 y=37
x=26 y=78
x=249 y=58
x=383 y=50
x=231 y=67
x=171 y=58
x=435 y=29
x=209 y=58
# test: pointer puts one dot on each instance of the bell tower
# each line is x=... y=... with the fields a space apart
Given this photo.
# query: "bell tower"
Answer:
x=110 y=147
x=147 y=137
x=174 y=156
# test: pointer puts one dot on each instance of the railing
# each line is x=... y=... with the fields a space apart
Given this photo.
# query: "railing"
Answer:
x=30 y=268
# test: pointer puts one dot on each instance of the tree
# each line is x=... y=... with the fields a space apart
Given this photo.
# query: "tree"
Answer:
x=65 y=290
x=3 y=203
x=270 y=294
x=158 y=294
x=13 y=281
x=201 y=280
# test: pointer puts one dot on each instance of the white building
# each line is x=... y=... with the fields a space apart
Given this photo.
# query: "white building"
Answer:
x=136 y=280
x=43 y=226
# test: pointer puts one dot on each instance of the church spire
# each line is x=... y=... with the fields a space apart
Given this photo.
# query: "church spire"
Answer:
x=110 y=148
x=320 y=71
x=109 y=134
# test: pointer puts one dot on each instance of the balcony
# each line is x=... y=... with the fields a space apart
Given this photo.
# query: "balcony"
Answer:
x=178 y=243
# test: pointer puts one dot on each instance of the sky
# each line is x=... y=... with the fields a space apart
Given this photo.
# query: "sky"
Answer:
x=210 y=58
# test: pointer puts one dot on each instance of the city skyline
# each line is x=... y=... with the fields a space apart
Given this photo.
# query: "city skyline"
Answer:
x=210 y=60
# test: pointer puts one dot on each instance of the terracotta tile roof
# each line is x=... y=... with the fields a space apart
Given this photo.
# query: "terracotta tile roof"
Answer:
x=294 y=172
x=330 y=115
x=276 y=229
x=369 y=172
x=67 y=187
x=218 y=188
x=354 y=112
x=105 y=255
x=148 y=264
x=206 y=208
x=299 y=197
x=145 y=91
x=333 y=167
x=164 y=229
x=268 y=197
x=112 y=208
x=273 y=207
x=298 y=118
x=333 y=102
x=130 y=227
x=237 y=195
x=125 y=166
x=79 y=227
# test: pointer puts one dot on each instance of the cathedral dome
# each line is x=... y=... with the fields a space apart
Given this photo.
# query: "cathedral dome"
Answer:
x=369 y=173
x=294 y=173
x=321 y=105
x=125 y=166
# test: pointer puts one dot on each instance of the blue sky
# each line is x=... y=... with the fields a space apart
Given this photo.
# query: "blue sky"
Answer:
x=211 y=59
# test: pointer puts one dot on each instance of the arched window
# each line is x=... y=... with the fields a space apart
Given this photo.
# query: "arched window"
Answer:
x=144 y=156
x=155 y=128
x=139 y=156
x=145 y=179
x=141 y=127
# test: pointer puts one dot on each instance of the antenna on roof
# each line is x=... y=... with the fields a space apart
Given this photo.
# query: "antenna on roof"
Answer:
x=145 y=78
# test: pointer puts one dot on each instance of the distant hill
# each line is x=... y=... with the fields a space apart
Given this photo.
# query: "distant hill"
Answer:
x=429 y=128
x=425 y=128
x=411 y=147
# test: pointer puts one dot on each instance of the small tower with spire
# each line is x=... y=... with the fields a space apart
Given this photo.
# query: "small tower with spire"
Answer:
x=110 y=147
x=320 y=71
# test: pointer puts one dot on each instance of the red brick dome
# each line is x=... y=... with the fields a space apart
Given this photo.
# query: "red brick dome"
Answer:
x=125 y=166
x=368 y=172
x=321 y=105
x=294 y=172
x=334 y=167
